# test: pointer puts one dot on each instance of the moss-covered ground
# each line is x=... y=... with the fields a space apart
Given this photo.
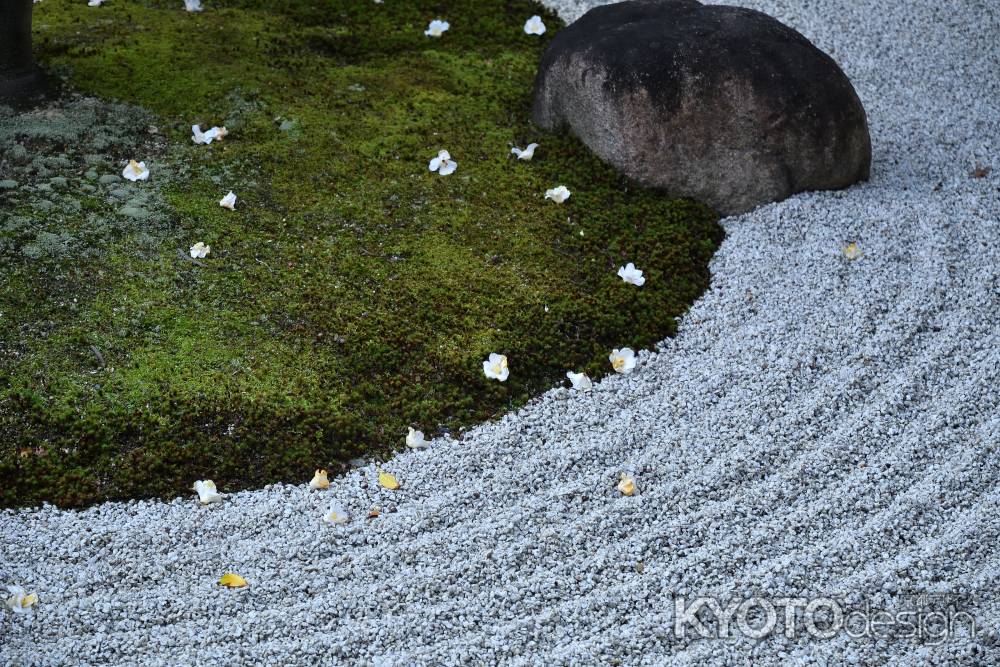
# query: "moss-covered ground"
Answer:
x=351 y=294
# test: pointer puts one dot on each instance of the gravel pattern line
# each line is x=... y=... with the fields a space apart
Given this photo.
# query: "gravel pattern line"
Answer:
x=818 y=427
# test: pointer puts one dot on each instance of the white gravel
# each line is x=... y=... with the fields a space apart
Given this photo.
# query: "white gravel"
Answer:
x=817 y=427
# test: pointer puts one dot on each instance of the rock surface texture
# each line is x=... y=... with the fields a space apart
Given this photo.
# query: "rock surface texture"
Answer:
x=722 y=104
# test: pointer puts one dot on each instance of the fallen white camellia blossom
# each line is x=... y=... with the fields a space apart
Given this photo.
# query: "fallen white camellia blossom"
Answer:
x=526 y=154
x=206 y=137
x=320 y=480
x=205 y=488
x=192 y=5
x=443 y=164
x=20 y=601
x=135 y=171
x=199 y=250
x=534 y=26
x=415 y=439
x=229 y=201
x=437 y=28
x=626 y=485
x=580 y=381
x=632 y=275
x=95 y=3
x=336 y=515
x=623 y=360
x=495 y=367
x=558 y=195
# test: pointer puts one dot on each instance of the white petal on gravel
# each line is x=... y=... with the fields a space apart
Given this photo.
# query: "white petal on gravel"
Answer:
x=816 y=426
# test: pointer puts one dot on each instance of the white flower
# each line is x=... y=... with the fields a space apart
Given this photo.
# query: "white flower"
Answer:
x=199 y=250
x=20 y=601
x=320 y=480
x=206 y=137
x=632 y=275
x=192 y=5
x=580 y=381
x=135 y=171
x=623 y=360
x=534 y=26
x=415 y=439
x=95 y=3
x=336 y=515
x=443 y=164
x=558 y=195
x=437 y=28
x=205 y=488
x=229 y=201
x=526 y=154
x=496 y=367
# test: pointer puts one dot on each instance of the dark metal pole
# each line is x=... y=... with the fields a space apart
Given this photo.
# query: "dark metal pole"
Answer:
x=19 y=78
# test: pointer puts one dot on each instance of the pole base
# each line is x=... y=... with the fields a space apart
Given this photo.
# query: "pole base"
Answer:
x=20 y=89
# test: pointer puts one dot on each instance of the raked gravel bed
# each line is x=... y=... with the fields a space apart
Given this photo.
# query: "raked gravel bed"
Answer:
x=819 y=427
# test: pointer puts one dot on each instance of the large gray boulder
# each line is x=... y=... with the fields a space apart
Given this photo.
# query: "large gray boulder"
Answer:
x=721 y=104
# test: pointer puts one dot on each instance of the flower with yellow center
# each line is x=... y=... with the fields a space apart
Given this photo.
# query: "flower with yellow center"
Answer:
x=495 y=367
x=20 y=601
x=626 y=485
x=205 y=488
x=851 y=251
x=336 y=516
x=623 y=360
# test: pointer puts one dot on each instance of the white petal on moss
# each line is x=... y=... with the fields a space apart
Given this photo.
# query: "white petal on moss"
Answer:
x=558 y=194
x=495 y=367
x=623 y=360
x=135 y=171
x=443 y=164
x=192 y=5
x=631 y=275
x=208 y=136
x=199 y=250
x=229 y=201
x=415 y=439
x=534 y=26
x=524 y=154
x=437 y=28
x=580 y=381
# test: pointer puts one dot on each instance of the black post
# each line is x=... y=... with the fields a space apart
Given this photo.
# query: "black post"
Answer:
x=19 y=78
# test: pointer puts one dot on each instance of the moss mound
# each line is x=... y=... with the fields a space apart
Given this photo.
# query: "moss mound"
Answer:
x=351 y=294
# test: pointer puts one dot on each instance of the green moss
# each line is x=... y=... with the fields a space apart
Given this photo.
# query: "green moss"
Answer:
x=351 y=294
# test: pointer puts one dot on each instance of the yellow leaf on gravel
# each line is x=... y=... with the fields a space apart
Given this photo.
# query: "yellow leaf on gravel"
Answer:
x=232 y=580
x=626 y=485
x=851 y=251
x=388 y=480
